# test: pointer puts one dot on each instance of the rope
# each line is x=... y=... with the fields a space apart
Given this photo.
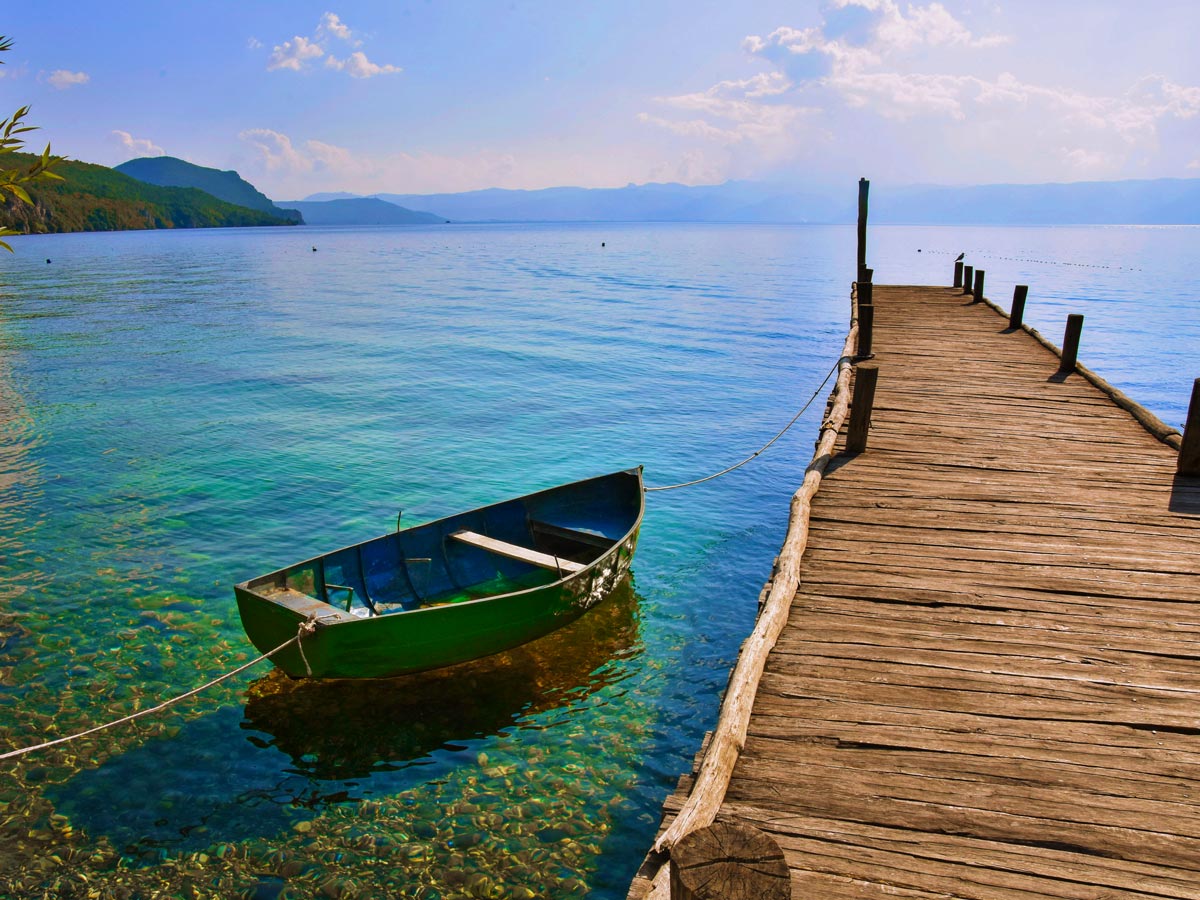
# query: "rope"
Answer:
x=306 y=627
x=755 y=454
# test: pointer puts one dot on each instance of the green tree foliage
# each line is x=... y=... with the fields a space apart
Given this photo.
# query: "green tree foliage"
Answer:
x=13 y=181
x=97 y=198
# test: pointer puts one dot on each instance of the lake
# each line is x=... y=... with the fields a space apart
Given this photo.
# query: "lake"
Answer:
x=182 y=410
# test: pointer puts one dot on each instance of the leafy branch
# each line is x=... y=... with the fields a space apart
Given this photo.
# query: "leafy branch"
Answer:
x=13 y=181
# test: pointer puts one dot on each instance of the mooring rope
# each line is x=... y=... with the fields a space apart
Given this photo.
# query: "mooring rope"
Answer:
x=306 y=627
x=756 y=453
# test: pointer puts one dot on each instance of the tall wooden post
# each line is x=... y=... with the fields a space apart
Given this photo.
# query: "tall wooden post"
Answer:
x=1017 y=313
x=729 y=861
x=866 y=293
x=958 y=269
x=861 y=405
x=866 y=328
x=978 y=292
x=864 y=188
x=1070 y=347
x=968 y=274
x=1189 y=453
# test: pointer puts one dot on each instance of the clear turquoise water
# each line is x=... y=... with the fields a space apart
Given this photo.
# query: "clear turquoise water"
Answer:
x=182 y=410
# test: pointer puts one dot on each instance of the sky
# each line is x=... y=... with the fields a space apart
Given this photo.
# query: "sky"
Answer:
x=453 y=95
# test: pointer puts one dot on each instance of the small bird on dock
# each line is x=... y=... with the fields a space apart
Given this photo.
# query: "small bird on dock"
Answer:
x=960 y=256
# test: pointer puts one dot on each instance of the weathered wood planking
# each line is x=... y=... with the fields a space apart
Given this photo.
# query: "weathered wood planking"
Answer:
x=988 y=687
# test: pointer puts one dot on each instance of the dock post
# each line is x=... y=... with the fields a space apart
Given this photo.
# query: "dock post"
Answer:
x=978 y=292
x=968 y=274
x=866 y=327
x=729 y=861
x=1017 y=313
x=1189 y=453
x=861 y=406
x=1070 y=347
x=958 y=267
x=864 y=188
x=866 y=289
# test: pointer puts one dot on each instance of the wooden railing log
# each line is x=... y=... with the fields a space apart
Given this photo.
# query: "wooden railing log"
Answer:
x=712 y=780
x=729 y=861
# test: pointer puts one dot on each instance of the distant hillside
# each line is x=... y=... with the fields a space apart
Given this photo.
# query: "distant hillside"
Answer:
x=1152 y=202
x=167 y=171
x=360 y=211
x=96 y=198
x=329 y=195
x=735 y=201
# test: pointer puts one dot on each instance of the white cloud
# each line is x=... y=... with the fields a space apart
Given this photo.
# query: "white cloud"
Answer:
x=294 y=54
x=138 y=146
x=298 y=170
x=253 y=43
x=919 y=80
x=930 y=25
x=356 y=65
x=63 y=79
x=275 y=150
x=301 y=52
x=331 y=25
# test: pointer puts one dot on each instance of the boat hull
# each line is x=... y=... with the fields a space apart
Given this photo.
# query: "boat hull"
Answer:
x=341 y=645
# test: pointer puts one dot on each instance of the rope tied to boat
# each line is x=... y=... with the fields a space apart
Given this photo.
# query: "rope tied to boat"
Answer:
x=759 y=451
x=306 y=627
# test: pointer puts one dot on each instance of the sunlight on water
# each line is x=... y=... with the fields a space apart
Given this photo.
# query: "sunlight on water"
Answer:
x=183 y=410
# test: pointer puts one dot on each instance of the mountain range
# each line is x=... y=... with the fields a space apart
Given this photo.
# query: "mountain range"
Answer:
x=167 y=171
x=1167 y=201
x=165 y=192
x=96 y=198
x=360 y=211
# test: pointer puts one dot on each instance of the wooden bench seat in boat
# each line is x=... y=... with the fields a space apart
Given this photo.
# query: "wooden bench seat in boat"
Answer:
x=514 y=551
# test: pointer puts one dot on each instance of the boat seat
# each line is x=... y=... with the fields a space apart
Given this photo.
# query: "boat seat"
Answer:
x=514 y=551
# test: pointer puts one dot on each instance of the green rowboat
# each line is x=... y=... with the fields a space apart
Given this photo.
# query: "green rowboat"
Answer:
x=463 y=587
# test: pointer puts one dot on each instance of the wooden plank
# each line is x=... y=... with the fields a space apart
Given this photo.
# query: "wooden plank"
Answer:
x=513 y=551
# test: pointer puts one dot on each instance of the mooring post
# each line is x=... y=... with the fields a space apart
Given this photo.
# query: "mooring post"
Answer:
x=861 y=405
x=1070 y=347
x=958 y=267
x=978 y=292
x=729 y=861
x=866 y=328
x=864 y=188
x=968 y=274
x=866 y=289
x=1189 y=453
x=1017 y=313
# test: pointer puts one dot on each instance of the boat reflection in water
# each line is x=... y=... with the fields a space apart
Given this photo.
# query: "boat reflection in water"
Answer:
x=315 y=744
x=338 y=730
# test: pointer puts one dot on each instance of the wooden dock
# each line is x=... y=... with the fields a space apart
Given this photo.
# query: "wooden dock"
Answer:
x=988 y=683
